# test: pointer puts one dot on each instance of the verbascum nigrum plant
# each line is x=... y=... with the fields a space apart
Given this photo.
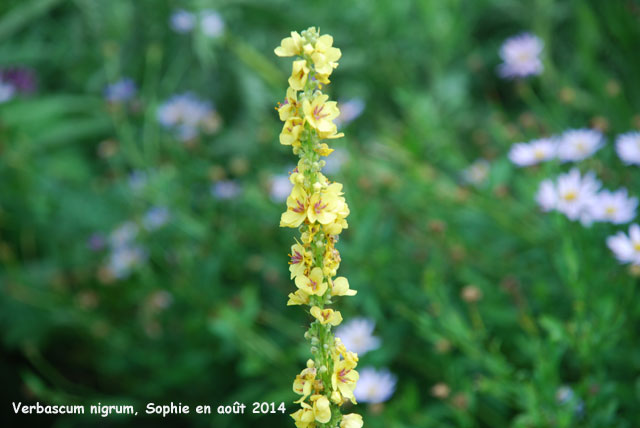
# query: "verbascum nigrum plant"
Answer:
x=317 y=208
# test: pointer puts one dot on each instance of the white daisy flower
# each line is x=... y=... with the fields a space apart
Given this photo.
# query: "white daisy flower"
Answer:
x=521 y=56
x=182 y=21
x=626 y=248
x=547 y=197
x=357 y=335
x=536 y=151
x=615 y=207
x=576 y=194
x=211 y=23
x=579 y=144
x=628 y=147
x=374 y=386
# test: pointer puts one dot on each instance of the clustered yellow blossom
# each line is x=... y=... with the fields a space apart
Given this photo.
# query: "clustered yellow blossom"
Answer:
x=316 y=207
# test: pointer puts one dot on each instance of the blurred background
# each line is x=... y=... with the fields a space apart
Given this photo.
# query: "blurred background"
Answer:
x=141 y=186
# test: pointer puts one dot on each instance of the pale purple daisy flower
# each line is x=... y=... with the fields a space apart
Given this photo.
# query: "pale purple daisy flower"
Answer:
x=6 y=91
x=211 y=23
x=335 y=162
x=477 y=173
x=155 y=218
x=225 y=189
x=547 y=196
x=626 y=248
x=96 y=242
x=533 y=152
x=578 y=144
x=614 y=207
x=280 y=188
x=374 y=386
x=576 y=193
x=349 y=111
x=521 y=56
x=182 y=21
x=121 y=91
x=185 y=114
x=124 y=234
x=628 y=147
x=22 y=79
x=124 y=259
x=357 y=335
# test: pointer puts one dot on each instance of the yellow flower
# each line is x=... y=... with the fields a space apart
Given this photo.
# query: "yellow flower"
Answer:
x=291 y=131
x=299 y=259
x=299 y=75
x=325 y=56
x=323 y=205
x=290 y=46
x=341 y=287
x=321 y=408
x=303 y=384
x=352 y=420
x=298 y=298
x=296 y=208
x=326 y=316
x=320 y=112
x=344 y=379
x=304 y=417
x=324 y=150
x=289 y=107
x=313 y=284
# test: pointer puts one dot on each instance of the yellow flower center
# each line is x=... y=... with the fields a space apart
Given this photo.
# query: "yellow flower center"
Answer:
x=636 y=246
x=570 y=196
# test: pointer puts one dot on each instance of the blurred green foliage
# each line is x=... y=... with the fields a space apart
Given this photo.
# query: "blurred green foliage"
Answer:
x=203 y=320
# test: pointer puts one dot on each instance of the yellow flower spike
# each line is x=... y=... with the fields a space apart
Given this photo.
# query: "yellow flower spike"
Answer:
x=299 y=74
x=341 y=287
x=326 y=316
x=318 y=209
x=291 y=131
x=321 y=408
x=290 y=46
x=313 y=284
x=296 y=208
x=352 y=420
